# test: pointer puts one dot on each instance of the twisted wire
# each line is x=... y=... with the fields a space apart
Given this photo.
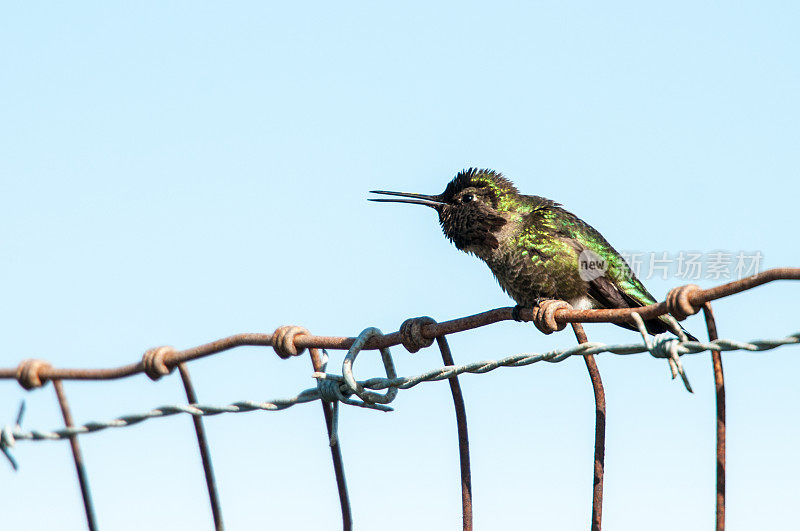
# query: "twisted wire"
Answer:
x=10 y=434
x=665 y=346
x=554 y=356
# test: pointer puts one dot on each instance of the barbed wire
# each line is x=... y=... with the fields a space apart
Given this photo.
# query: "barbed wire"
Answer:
x=10 y=434
x=660 y=349
x=414 y=334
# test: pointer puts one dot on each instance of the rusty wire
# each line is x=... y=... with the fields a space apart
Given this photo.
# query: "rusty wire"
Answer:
x=697 y=298
x=381 y=383
x=8 y=435
x=205 y=453
x=330 y=412
x=463 y=437
x=77 y=457
x=414 y=334
x=599 y=430
x=719 y=390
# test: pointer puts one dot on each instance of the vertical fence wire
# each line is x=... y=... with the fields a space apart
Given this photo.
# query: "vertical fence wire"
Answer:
x=599 y=431
x=336 y=450
x=463 y=436
x=83 y=479
x=719 y=386
x=205 y=453
x=34 y=373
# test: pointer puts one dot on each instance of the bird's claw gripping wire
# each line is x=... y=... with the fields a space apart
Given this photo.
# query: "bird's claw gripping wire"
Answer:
x=544 y=315
x=664 y=346
x=516 y=311
x=544 y=310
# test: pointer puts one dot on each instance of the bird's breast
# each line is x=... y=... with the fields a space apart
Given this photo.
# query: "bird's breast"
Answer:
x=530 y=273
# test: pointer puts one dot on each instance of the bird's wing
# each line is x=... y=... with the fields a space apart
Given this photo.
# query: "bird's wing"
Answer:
x=618 y=287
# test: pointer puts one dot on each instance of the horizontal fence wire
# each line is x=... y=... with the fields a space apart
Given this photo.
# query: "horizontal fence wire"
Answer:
x=557 y=355
x=695 y=298
x=12 y=433
x=414 y=334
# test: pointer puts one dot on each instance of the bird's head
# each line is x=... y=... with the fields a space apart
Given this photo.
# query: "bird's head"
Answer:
x=471 y=209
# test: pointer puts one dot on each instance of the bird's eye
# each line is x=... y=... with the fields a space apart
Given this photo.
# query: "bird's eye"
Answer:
x=467 y=198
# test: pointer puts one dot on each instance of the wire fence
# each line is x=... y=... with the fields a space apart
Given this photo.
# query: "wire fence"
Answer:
x=414 y=334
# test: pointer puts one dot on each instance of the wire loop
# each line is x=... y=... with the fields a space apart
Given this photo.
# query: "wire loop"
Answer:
x=369 y=397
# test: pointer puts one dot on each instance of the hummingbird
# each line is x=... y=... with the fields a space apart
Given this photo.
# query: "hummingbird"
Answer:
x=535 y=248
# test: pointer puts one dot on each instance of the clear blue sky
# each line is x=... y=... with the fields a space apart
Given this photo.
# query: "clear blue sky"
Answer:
x=171 y=173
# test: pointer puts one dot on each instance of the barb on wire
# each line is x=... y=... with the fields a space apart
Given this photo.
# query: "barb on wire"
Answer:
x=554 y=356
x=414 y=334
x=9 y=435
x=7 y=438
x=665 y=346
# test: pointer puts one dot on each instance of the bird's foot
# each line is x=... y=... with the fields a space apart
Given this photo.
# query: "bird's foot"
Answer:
x=516 y=312
x=544 y=315
x=539 y=300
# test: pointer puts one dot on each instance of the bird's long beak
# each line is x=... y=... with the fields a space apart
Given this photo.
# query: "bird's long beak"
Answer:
x=433 y=201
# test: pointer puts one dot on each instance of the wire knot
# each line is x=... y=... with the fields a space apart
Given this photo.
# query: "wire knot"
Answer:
x=664 y=346
x=29 y=373
x=678 y=301
x=411 y=333
x=544 y=315
x=330 y=390
x=155 y=362
x=283 y=340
